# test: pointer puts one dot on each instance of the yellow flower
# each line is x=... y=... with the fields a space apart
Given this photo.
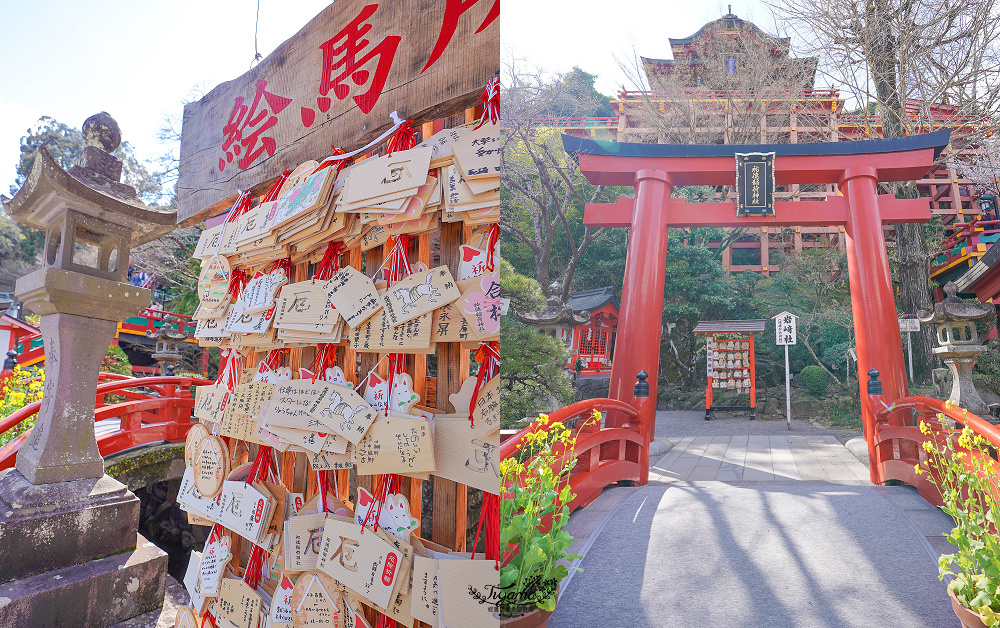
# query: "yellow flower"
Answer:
x=925 y=428
x=543 y=419
x=928 y=447
x=916 y=469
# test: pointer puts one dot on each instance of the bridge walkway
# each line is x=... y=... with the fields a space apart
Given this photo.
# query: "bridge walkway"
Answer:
x=747 y=524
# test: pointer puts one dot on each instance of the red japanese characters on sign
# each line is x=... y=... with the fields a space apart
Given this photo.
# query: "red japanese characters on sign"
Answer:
x=247 y=124
x=454 y=10
x=340 y=57
x=347 y=71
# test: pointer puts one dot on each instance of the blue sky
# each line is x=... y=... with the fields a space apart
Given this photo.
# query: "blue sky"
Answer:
x=136 y=59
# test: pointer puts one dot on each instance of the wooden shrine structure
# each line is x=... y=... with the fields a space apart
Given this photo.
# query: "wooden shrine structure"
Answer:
x=731 y=362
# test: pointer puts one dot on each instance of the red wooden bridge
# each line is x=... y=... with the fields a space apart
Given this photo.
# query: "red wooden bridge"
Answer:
x=155 y=410
x=31 y=350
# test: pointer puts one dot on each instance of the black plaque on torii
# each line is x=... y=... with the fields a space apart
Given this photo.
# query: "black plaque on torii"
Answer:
x=754 y=184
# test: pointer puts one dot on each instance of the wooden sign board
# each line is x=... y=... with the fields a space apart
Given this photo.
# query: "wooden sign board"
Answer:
x=378 y=335
x=303 y=538
x=354 y=295
x=418 y=294
x=365 y=563
x=424 y=59
x=396 y=445
x=239 y=604
x=755 y=184
x=344 y=411
x=314 y=601
x=424 y=595
x=468 y=596
x=464 y=454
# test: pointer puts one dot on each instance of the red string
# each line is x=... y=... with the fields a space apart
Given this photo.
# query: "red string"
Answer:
x=261 y=468
x=244 y=203
x=491 y=245
x=283 y=264
x=272 y=194
x=491 y=102
x=404 y=138
x=208 y=616
x=330 y=264
x=489 y=513
x=255 y=566
x=488 y=355
x=238 y=280
x=326 y=357
x=385 y=622
x=387 y=485
x=274 y=358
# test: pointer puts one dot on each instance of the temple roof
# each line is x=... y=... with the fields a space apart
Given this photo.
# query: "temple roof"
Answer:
x=592 y=300
x=731 y=22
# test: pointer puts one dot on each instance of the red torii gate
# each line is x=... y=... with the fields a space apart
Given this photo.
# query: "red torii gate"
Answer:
x=856 y=167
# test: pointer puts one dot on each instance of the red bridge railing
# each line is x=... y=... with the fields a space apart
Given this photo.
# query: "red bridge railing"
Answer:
x=898 y=448
x=604 y=455
x=156 y=409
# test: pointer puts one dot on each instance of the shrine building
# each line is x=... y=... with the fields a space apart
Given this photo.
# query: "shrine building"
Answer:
x=733 y=83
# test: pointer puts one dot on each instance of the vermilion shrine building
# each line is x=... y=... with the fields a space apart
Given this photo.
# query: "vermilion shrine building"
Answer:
x=687 y=92
x=587 y=324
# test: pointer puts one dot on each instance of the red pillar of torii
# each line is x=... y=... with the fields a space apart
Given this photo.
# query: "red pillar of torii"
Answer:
x=856 y=167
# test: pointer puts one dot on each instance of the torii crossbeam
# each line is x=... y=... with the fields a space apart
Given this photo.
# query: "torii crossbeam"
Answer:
x=856 y=167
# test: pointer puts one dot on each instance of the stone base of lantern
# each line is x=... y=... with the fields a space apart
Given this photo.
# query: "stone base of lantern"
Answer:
x=70 y=555
x=53 y=526
x=97 y=593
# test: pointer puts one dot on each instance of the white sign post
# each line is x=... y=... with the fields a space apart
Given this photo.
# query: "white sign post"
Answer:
x=784 y=334
x=909 y=325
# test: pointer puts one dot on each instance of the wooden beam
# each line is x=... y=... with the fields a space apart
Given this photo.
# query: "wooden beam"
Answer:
x=831 y=212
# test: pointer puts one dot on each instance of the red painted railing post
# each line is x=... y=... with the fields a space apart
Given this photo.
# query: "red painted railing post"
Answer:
x=169 y=391
x=640 y=394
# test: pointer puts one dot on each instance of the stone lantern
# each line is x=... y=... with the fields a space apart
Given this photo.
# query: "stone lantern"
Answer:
x=959 y=345
x=68 y=532
x=167 y=354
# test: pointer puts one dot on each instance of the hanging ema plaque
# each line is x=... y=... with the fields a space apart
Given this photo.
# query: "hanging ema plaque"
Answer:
x=755 y=184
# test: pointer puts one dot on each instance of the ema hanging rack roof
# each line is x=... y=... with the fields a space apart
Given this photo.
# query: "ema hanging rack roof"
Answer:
x=755 y=325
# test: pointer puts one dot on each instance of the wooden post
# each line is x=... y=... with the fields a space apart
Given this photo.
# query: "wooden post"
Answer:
x=449 y=496
x=350 y=365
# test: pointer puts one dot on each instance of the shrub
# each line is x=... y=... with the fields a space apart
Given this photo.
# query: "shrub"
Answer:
x=20 y=389
x=814 y=379
x=115 y=361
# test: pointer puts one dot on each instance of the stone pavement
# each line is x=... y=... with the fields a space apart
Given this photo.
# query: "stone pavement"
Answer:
x=747 y=524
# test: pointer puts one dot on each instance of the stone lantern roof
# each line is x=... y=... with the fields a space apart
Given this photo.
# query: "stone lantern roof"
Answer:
x=953 y=308
x=166 y=332
x=555 y=313
x=91 y=187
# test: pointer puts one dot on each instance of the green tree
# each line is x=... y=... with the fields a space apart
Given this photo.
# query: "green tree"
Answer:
x=532 y=377
x=695 y=288
x=573 y=95
x=544 y=192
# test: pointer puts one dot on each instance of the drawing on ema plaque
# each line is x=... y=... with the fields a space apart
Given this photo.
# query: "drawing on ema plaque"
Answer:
x=754 y=184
